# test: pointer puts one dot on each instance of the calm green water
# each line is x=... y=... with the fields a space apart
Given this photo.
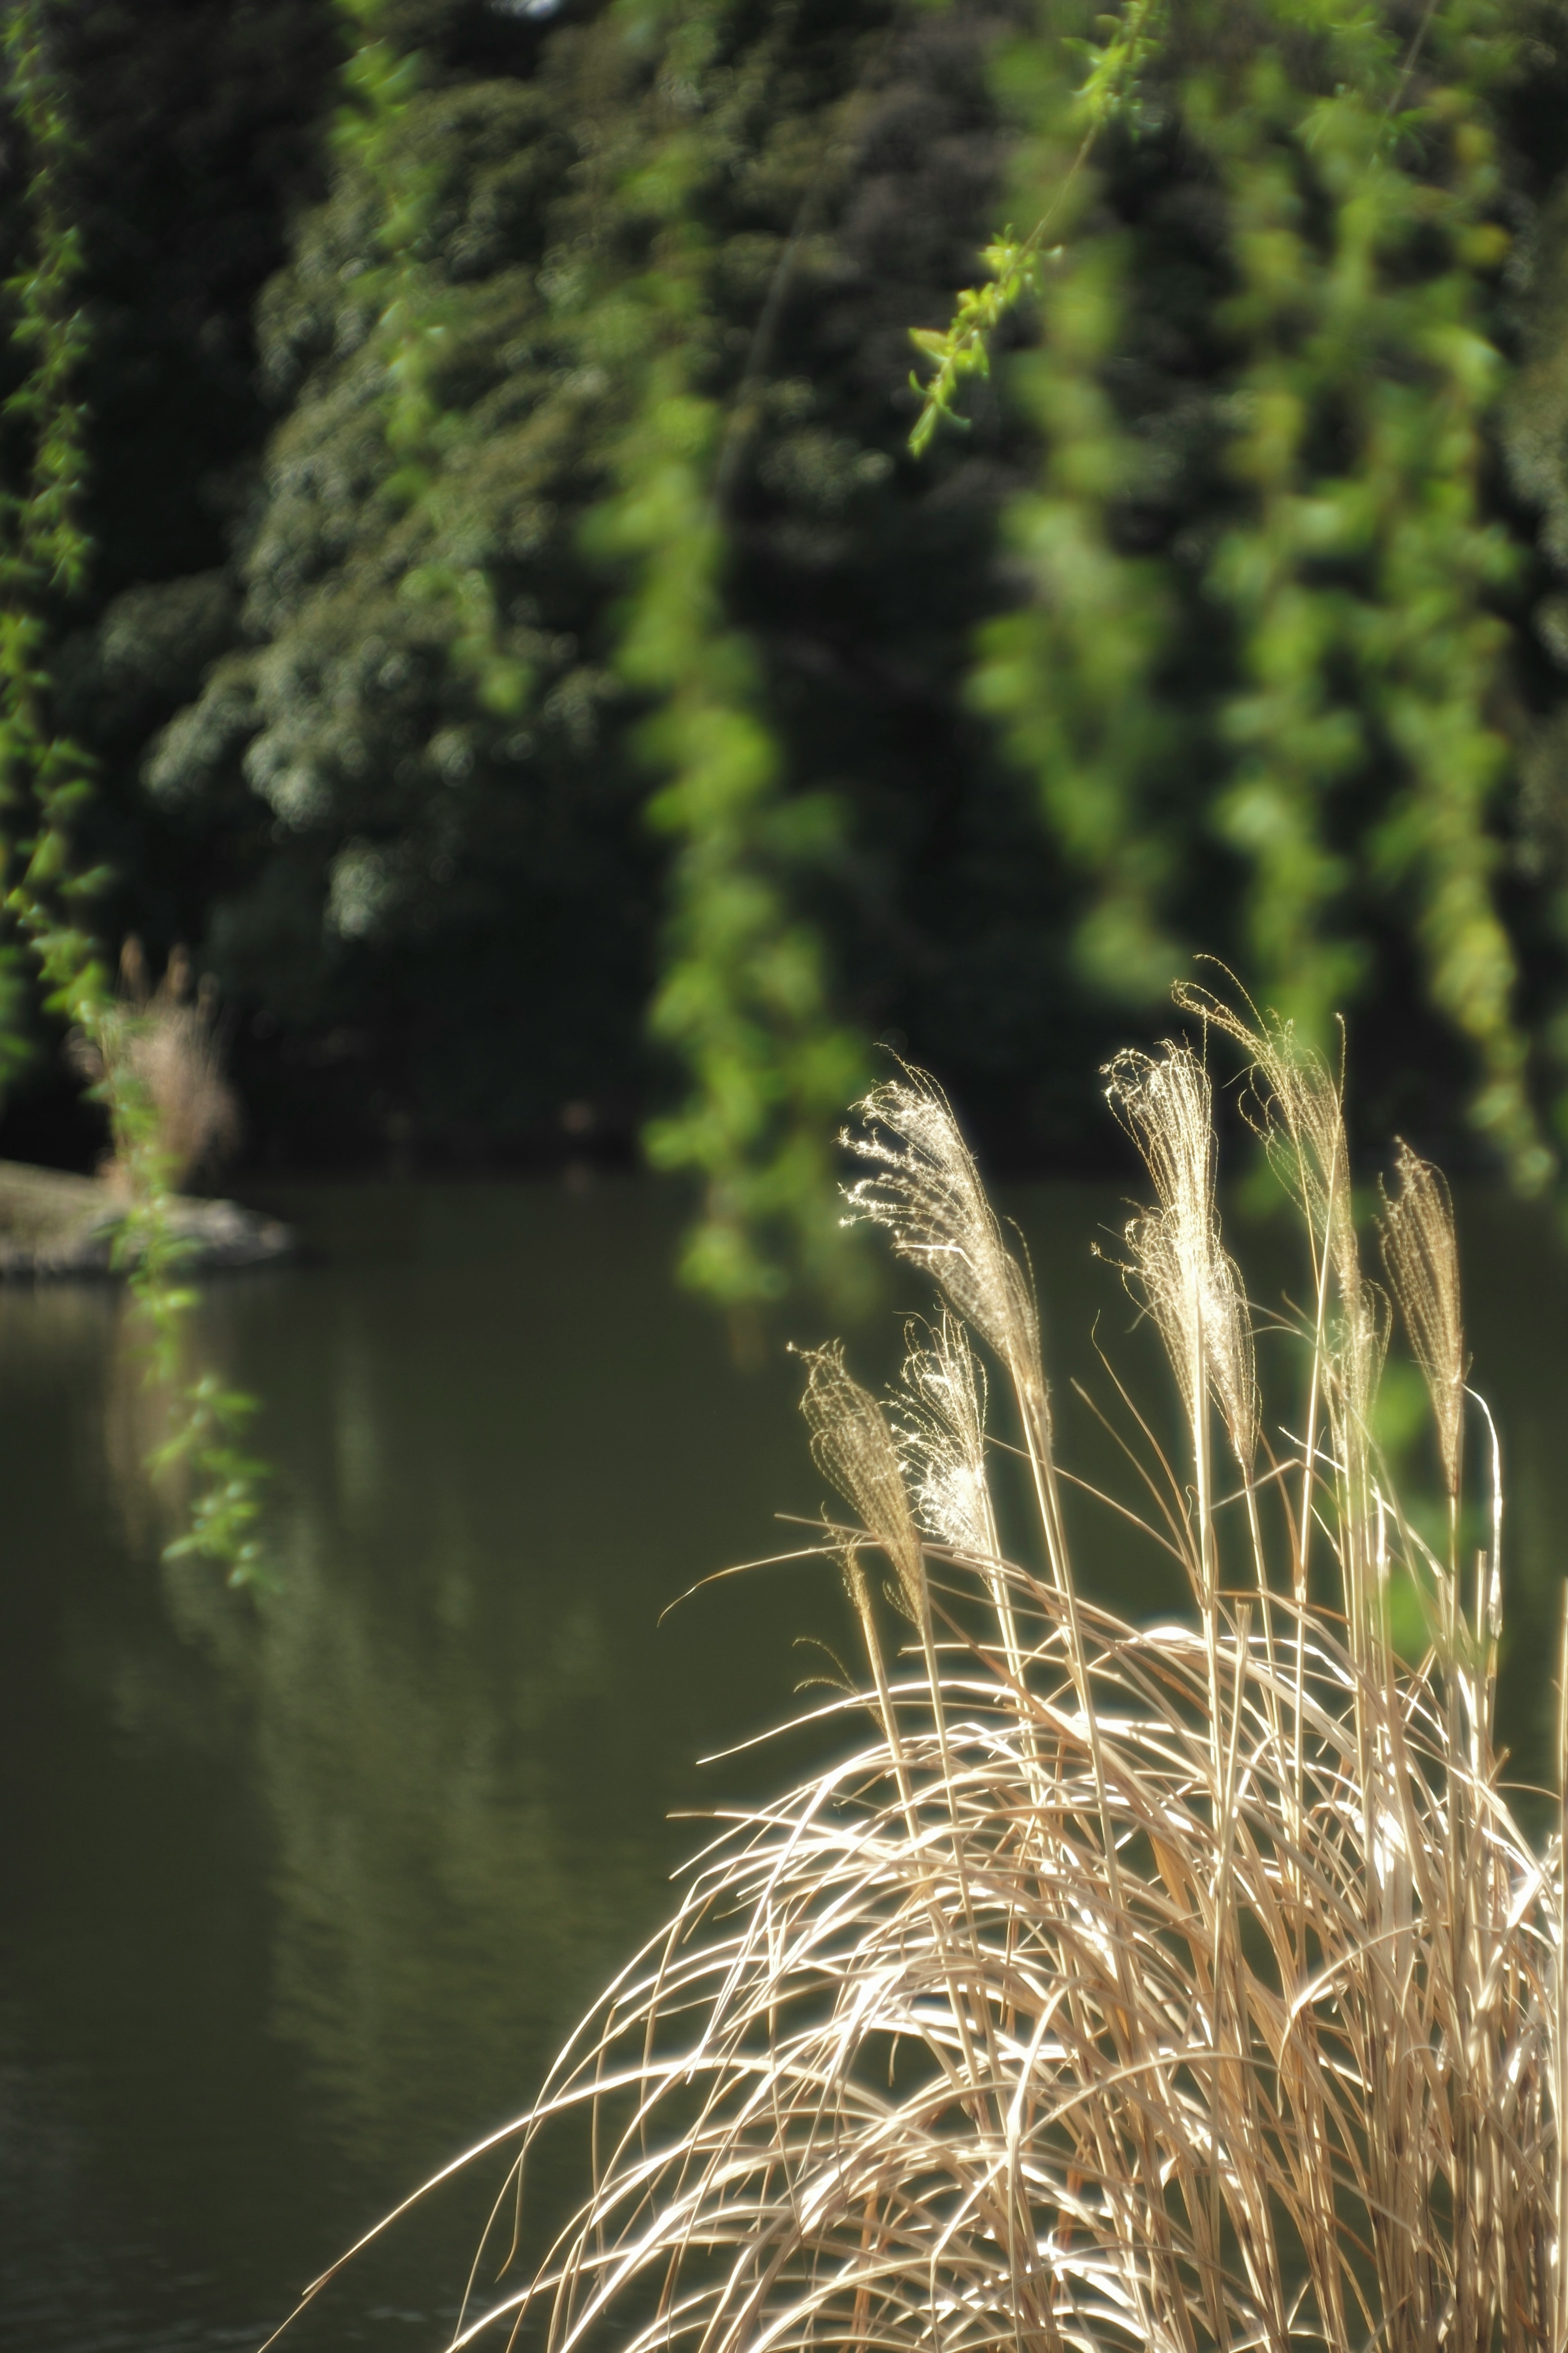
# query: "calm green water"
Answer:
x=297 y=1901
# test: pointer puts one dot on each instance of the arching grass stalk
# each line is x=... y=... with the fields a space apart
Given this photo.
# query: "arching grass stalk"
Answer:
x=44 y=783
x=1190 y=1987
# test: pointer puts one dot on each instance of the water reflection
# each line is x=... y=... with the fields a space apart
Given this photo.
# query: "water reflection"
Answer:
x=299 y=1899
x=306 y=1895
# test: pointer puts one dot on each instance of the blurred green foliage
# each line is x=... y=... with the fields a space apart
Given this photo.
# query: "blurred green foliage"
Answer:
x=582 y=634
x=495 y=588
x=1271 y=591
x=47 y=786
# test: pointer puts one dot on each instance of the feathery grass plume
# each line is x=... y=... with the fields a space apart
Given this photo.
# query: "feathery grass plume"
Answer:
x=941 y=1439
x=1128 y=1988
x=1180 y=1268
x=941 y=1433
x=1421 y=1254
x=927 y=1191
x=1296 y=1106
x=852 y=1445
x=1187 y=1278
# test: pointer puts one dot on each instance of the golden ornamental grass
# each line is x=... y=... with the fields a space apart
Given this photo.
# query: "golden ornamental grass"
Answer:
x=1179 y=1988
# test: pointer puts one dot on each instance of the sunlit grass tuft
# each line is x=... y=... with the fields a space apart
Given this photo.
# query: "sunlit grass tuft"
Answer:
x=1182 y=1986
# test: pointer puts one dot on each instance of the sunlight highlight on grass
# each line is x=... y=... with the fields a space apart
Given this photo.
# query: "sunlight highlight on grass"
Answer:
x=1183 y=1987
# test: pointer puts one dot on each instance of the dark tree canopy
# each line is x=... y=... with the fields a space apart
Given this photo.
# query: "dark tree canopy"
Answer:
x=516 y=601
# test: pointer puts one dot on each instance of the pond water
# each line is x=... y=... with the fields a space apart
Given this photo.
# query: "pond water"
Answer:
x=297 y=1899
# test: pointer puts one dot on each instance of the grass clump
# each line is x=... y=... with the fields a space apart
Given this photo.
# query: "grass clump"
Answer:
x=1188 y=1987
x=162 y=1041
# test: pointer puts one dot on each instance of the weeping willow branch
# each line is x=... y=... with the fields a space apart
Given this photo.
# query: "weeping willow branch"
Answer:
x=46 y=782
x=1017 y=267
x=381 y=85
x=744 y=1000
x=1277 y=633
